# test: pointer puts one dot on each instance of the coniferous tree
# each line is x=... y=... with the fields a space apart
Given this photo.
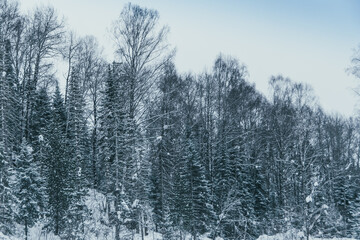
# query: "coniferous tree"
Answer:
x=29 y=188
x=40 y=130
x=355 y=217
x=164 y=131
x=57 y=174
x=77 y=154
x=197 y=192
x=43 y=38
x=41 y=118
x=192 y=208
x=114 y=150
x=9 y=127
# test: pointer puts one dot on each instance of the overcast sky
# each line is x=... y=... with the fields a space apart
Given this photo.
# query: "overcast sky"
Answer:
x=308 y=41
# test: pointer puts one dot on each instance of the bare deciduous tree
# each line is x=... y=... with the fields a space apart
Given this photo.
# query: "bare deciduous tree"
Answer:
x=43 y=38
x=142 y=48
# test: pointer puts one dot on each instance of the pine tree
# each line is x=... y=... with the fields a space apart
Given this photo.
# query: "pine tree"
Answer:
x=167 y=225
x=41 y=117
x=7 y=197
x=29 y=188
x=355 y=217
x=114 y=151
x=9 y=135
x=192 y=205
x=77 y=155
x=57 y=174
x=179 y=196
x=40 y=130
x=163 y=131
x=13 y=106
x=196 y=193
x=107 y=125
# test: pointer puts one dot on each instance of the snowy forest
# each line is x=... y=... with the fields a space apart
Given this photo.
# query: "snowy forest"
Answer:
x=132 y=149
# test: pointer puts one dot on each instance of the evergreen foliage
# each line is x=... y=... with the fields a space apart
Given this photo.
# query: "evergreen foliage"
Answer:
x=172 y=153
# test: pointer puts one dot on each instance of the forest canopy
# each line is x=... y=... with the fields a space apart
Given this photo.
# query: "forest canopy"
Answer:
x=172 y=153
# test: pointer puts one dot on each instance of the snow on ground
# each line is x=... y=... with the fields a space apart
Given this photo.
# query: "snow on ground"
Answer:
x=3 y=237
x=295 y=235
x=96 y=227
x=35 y=233
x=157 y=236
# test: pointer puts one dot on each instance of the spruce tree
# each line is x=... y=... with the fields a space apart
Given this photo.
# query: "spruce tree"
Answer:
x=196 y=191
x=355 y=217
x=7 y=195
x=76 y=155
x=115 y=179
x=163 y=132
x=40 y=129
x=9 y=133
x=192 y=208
x=28 y=187
x=57 y=174
x=41 y=117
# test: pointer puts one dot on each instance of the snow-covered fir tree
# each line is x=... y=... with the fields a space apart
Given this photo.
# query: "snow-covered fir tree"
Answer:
x=28 y=187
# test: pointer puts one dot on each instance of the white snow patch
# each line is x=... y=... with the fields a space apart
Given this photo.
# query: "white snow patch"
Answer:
x=300 y=235
x=309 y=199
x=348 y=166
x=125 y=206
x=135 y=203
x=295 y=235
x=35 y=233
x=3 y=237
x=134 y=176
x=29 y=149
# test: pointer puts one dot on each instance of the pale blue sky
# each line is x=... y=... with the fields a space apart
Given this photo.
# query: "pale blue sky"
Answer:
x=309 y=40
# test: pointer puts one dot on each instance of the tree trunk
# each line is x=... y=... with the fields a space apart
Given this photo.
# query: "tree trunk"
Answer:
x=116 y=218
x=142 y=225
x=26 y=230
x=117 y=230
x=94 y=146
